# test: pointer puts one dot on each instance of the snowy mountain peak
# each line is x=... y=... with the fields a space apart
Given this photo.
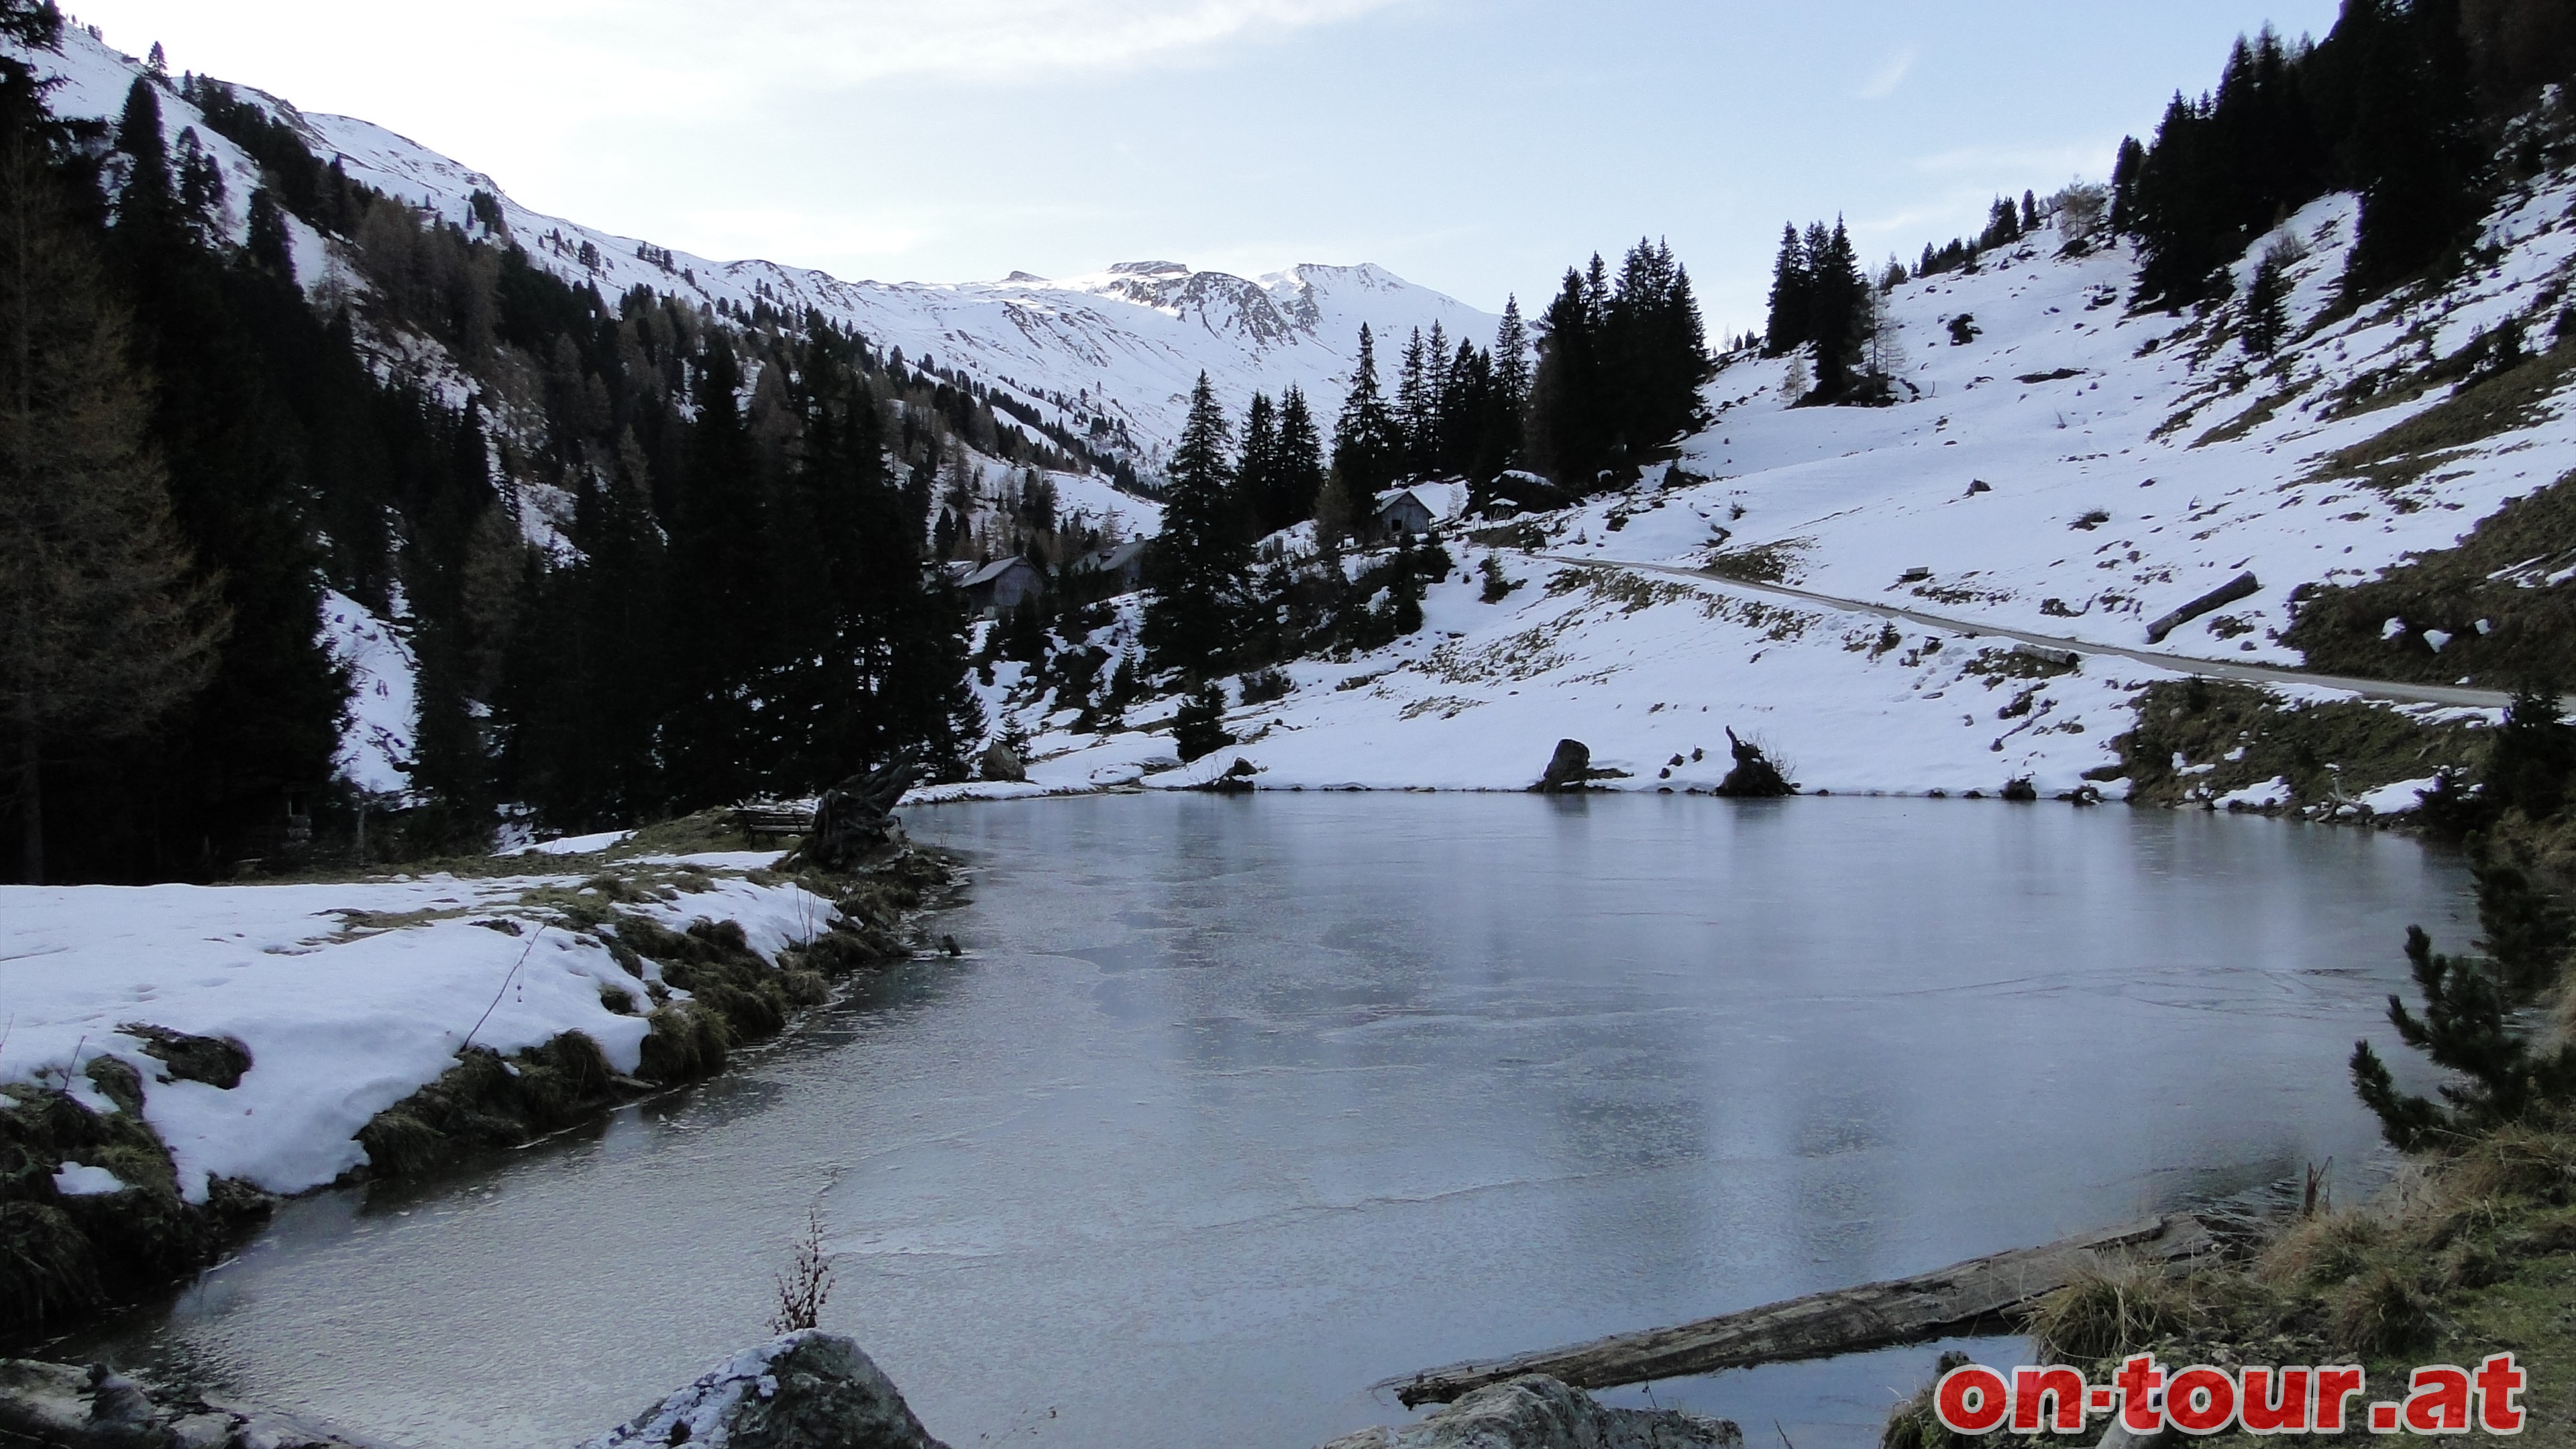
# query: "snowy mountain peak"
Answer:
x=1121 y=347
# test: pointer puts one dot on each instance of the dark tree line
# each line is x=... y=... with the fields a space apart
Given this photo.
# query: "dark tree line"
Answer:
x=1620 y=366
x=732 y=598
x=2400 y=102
x=1819 y=299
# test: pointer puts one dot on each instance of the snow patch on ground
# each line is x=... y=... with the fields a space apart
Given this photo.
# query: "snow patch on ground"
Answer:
x=79 y=1179
x=384 y=707
x=349 y=996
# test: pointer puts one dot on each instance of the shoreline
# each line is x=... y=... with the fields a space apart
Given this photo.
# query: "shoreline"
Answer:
x=112 y=1204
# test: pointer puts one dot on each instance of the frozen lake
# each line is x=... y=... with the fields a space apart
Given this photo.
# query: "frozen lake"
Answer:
x=1238 y=1105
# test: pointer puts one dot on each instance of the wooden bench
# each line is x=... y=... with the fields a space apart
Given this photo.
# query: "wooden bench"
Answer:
x=770 y=821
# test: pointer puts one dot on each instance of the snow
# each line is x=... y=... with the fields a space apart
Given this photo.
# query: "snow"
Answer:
x=78 y=1179
x=1123 y=345
x=575 y=844
x=349 y=996
x=2397 y=799
x=2267 y=795
x=2162 y=462
x=384 y=709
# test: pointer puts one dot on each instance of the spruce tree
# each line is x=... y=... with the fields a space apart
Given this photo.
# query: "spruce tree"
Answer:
x=1297 y=469
x=1512 y=366
x=1791 y=283
x=1198 y=564
x=1838 y=314
x=1256 y=471
x=1568 y=423
x=1367 y=442
x=2266 y=307
x=1414 y=414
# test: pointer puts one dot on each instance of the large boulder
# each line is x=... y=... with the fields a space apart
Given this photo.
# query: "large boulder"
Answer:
x=1002 y=763
x=1537 y=1412
x=810 y=1390
x=1567 y=769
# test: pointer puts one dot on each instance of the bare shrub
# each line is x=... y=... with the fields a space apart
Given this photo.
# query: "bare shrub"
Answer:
x=807 y=1283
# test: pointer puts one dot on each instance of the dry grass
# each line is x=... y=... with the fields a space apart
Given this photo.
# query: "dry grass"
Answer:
x=2117 y=1309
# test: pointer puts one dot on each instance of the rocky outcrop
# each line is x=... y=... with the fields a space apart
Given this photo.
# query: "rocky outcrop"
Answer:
x=1542 y=1413
x=810 y=1390
x=64 y=1407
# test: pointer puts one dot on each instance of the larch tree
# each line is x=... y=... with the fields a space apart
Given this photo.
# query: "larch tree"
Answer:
x=105 y=626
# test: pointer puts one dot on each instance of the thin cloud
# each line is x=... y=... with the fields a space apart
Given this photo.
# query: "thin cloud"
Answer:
x=2034 y=164
x=1883 y=82
x=845 y=42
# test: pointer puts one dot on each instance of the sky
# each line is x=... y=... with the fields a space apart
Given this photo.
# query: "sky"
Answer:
x=1476 y=146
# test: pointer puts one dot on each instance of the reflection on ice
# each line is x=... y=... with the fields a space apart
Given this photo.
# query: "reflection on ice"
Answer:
x=1244 y=1104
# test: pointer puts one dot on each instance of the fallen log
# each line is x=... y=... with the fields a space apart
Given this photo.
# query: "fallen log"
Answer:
x=2243 y=586
x=1845 y=1320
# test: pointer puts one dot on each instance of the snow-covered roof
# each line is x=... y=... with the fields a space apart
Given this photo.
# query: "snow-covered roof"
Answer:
x=994 y=570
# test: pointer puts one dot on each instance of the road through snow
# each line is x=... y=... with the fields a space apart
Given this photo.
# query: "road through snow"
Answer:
x=2447 y=694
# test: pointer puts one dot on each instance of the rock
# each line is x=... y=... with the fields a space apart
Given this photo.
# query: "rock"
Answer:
x=1567 y=769
x=1002 y=763
x=1541 y=1413
x=2021 y=789
x=1754 y=776
x=809 y=1390
x=217 y=1061
x=97 y=1408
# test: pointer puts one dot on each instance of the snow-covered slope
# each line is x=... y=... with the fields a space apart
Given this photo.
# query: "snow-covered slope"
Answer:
x=350 y=997
x=1122 y=346
x=2069 y=469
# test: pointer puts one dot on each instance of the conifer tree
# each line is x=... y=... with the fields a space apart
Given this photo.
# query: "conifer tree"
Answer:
x=2466 y=1028
x=1567 y=424
x=1512 y=368
x=1414 y=415
x=1791 y=283
x=1838 y=314
x=1198 y=564
x=1367 y=442
x=105 y=626
x=1256 y=471
x=2266 y=307
x=1297 y=470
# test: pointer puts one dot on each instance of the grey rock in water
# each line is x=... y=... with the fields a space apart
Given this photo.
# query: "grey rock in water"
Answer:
x=67 y=1407
x=1537 y=1412
x=810 y=1390
x=1567 y=769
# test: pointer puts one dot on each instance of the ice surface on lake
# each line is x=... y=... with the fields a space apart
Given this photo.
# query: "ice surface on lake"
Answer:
x=1236 y=1106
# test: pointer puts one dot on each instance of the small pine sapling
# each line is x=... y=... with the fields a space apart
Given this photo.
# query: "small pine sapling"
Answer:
x=2464 y=1028
x=1199 y=728
x=2267 y=315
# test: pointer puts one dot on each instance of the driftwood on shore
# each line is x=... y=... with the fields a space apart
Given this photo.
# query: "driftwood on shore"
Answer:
x=1845 y=1320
